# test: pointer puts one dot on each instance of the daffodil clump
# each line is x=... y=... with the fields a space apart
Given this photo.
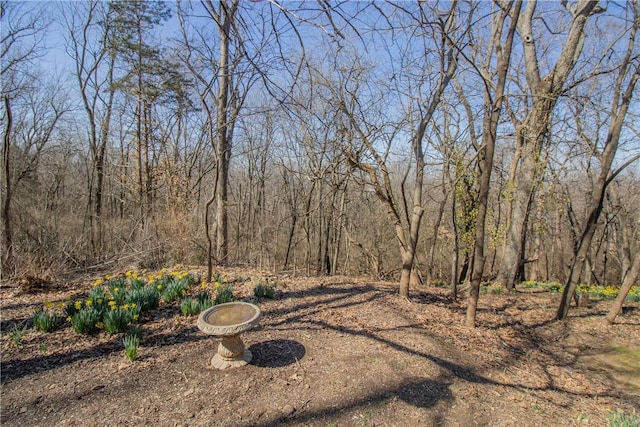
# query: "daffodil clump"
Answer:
x=192 y=306
x=46 y=319
x=118 y=319
x=608 y=292
x=115 y=303
x=492 y=288
x=550 y=286
x=597 y=291
x=264 y=290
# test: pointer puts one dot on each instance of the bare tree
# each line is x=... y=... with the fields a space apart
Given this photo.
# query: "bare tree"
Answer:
x=533 y=131
x=433 y=27
x=23 y=30
x=622 y=94
x=87 y=38
x=504 y=21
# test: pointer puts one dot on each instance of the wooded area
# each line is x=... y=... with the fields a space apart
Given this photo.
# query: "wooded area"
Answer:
x=456 y=142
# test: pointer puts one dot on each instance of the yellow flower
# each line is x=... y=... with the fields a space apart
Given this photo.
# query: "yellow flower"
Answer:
x=133 y=305
x=126 y=306
x=112 y=303
x=97 y=283
x=48 y=304
x=78 y=305
x=159 y=287
x=135 y=317
x=100 y=325
x=203 y=285
x=217 y=284
x=116 y=289
x=68 y=318
x=107 y=276
x=88 y=302
x=99 y=300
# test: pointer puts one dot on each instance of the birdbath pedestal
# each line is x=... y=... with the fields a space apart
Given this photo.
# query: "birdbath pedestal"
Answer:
x=228 y=321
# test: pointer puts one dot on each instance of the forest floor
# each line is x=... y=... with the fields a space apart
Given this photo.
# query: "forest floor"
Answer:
x=331 y=351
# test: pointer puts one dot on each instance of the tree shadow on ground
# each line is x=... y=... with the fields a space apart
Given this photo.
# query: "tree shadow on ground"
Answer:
x=16 y=368
x=419 y=392
x=276 y=353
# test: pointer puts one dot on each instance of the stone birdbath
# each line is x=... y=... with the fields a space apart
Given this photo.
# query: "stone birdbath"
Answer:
x=228 y=321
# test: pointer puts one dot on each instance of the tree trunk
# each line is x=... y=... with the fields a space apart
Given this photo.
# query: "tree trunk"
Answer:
x=493 y=107
x=616 y=307
x=534 y=129
x=223 y=140
x=7 y=269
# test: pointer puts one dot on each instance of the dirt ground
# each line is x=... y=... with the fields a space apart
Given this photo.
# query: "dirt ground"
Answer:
x=331 y=352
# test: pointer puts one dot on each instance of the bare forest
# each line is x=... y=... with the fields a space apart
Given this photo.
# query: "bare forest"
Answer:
x=426 y=143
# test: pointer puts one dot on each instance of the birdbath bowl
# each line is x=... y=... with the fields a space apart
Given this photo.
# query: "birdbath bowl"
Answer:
x=228 y=321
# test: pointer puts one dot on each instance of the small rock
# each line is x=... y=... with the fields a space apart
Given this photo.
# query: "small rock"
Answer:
x=23 y=409
x=288 y=410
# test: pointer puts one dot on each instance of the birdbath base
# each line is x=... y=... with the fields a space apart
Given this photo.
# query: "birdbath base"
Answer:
x=231 y=353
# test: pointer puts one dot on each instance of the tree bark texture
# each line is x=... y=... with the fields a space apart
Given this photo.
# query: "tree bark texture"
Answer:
x=533 y=131
x=493 y=104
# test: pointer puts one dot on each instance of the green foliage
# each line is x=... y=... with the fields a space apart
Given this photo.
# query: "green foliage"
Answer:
x=97 y=293
x=146 y=298
x=118 y=319
x=71 y=308
x=131 y=344
x=439 y=284
x=189 y=307
x=224 y=294
x=115 y=302
x=620 y=419
x=596 y=291
x=44 y=320
x=85 y=321
x=118 y=290
x=174 y=291
x=17 y=334
x=495 y=289
x=264 y=290
x=193 y=306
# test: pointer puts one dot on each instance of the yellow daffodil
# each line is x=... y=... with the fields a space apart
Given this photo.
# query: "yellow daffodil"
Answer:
x=78 y=305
